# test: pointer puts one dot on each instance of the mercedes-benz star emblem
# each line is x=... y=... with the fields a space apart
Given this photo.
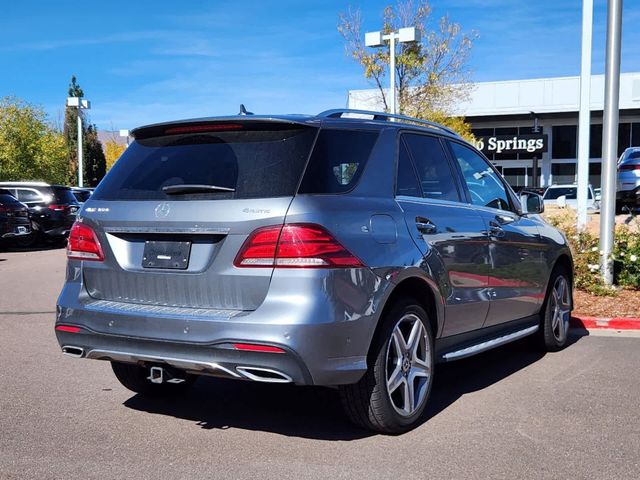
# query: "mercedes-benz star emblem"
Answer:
x=162 y=210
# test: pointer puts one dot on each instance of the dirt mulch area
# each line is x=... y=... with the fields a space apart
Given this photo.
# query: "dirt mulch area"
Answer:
x=625 y=304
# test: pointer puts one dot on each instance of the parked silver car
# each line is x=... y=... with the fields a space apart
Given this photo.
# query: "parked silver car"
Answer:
x=342 y=249
x=628 y=191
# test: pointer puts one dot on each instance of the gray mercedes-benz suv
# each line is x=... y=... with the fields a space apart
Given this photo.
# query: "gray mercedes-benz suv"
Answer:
x=349 y=249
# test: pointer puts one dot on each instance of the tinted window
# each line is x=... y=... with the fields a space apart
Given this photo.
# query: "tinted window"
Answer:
x=554 y=193
x=407 y=182
x=28 y=195
x=6 y=197
x=63 y=195
x=434 y=172
x=565 y=141
x=338 y=159
x=484 y=184
x=258 y=162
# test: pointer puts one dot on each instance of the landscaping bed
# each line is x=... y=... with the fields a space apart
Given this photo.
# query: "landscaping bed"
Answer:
x=625 y=304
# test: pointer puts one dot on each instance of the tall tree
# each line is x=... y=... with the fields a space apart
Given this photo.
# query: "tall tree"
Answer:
x=94 y=162
x=30 y=147
x=433 y=75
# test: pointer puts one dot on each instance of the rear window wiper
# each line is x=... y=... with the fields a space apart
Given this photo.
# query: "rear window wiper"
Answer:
x=194 y=188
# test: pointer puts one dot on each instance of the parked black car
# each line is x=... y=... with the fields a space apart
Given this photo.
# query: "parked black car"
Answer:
x=52 y=209
x=82 y=194
x=14 y=217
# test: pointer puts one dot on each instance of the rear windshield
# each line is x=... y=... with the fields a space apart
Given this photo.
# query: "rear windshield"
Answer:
x=6 y=197
x=254 y=163
x=570 y=193
x=63 y=195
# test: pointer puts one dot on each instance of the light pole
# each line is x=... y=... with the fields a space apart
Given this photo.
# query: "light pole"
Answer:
x=80 y=104
x=610 y=138
x=584 y=119
x=125 y=133
x=377 y=39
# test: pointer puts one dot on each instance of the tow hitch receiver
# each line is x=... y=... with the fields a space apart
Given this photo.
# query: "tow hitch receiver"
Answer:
x=162 y=375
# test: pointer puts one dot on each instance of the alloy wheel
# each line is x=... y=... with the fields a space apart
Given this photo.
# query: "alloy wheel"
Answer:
x=560 y=309
x=408 y=365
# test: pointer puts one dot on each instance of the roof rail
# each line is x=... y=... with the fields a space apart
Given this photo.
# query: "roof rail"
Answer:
x=339 y=112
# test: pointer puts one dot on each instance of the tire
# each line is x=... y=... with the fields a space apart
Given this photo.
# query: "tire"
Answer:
x=135 y=379
x=27 y=241
x=393 y=393
x=556 y=311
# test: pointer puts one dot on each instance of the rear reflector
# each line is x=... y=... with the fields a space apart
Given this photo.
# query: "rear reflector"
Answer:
x=297 y=245
x=250 y=347
x=83 y=243
x=56 y=208
x=223 y=127
x=67 y=328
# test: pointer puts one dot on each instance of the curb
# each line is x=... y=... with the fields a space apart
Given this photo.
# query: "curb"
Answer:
x=600 y=323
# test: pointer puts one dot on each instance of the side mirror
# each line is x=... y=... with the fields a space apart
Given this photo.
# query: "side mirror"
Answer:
x=532 y=203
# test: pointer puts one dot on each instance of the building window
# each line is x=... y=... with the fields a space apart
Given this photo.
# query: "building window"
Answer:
x=563 y=172
x=624 y=137
x=595 y=141
x=565 y=141
x=635 y=134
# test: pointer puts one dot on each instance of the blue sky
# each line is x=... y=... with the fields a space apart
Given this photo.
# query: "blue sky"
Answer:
x=146 y=61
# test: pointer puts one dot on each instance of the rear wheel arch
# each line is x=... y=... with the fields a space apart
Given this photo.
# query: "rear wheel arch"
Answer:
x=564 y=262
x=420 y=291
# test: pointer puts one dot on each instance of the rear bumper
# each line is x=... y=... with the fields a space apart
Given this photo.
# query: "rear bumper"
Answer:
x=11 y=230
x=325 y=331
x=629 y=196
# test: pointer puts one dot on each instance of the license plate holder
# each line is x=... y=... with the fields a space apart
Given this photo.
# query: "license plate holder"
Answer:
x=165 y=254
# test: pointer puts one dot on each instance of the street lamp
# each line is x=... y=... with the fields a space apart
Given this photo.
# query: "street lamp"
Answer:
x=80 y=104
x=377 y=39
x=125 y=133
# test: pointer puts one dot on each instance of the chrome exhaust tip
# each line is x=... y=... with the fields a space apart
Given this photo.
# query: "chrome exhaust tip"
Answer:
x=74 y=352
x=267 y=375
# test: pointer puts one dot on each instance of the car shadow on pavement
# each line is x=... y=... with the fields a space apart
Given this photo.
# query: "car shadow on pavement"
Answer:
x=315 y=412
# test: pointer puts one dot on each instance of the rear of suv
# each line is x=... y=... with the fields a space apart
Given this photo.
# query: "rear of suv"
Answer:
x=52 y=209
x=628 y=191
x=14 y=217
x=342 y=249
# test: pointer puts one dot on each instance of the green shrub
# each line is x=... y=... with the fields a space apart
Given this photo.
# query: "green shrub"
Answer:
x=586 y=256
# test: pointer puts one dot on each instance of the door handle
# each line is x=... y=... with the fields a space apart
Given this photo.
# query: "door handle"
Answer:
x=495 y=230
x=505 y=219
x=425 y=226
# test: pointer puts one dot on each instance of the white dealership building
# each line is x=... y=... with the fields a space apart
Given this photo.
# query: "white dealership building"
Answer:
x=509 y=109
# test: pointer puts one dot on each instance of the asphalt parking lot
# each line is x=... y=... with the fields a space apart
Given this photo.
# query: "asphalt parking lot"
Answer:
x=510 y=413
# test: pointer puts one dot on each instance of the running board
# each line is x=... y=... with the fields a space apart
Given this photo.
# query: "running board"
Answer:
x=489 y=344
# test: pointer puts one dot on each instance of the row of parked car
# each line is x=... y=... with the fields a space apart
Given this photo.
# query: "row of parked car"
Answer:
x=35 y=212
x=627 y=191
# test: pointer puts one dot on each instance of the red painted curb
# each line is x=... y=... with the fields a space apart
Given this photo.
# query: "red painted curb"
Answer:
x=616 y=323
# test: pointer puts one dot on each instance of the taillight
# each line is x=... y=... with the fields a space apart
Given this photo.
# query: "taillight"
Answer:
x=629 y=167
x=298 y=245
x=3 y=209
x=56 y=208
x=83 y=243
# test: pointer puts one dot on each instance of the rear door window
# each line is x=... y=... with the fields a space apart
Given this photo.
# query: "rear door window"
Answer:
x=25 y=195
x=249 y=161
x=407 y=182
x=338 y=160
x=433 y=168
